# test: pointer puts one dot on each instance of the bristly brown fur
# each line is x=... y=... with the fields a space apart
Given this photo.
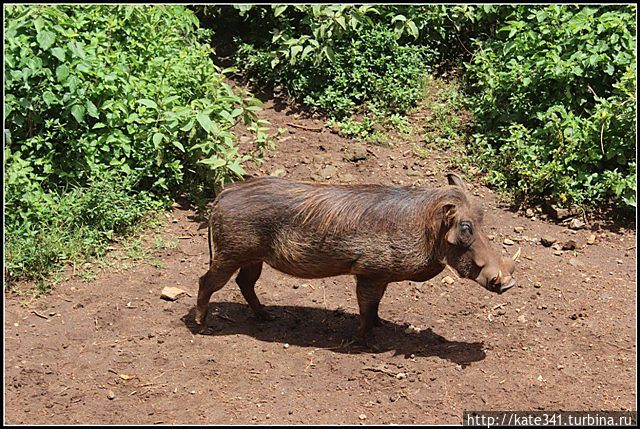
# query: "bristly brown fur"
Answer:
x=343 y=209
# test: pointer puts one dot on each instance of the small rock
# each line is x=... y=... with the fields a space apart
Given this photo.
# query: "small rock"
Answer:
x=547 y=241
x=591 y=240
x=569 y=245
x=401 y=376
x=537 y=285
x=448 y=280
x=356 y=153
x=575 y=262
x=412 y=330
x=320 y=159
x=518 y=229
x=171 y=293
x=346 y=177
x=508 y=242
x=529 y=213
x=556 y=246
x=110 y=394
x=362 y=417
x=522 y=319
x=558 y=252
x=576 y=223
x=279 y=172
x=285 y=345
x=328 y=172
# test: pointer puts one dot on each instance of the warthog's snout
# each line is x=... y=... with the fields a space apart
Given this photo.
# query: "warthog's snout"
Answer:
x=506 y=286
x=502 y=280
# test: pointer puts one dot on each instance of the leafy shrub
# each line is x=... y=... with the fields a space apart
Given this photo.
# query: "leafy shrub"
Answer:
x=369 y=68
x=553 y=95
x=99 y=96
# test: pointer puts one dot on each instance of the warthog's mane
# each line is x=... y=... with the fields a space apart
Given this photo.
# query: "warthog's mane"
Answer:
x=339 y=209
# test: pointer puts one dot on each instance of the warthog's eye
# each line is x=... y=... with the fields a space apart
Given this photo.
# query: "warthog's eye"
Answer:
x=466 y=234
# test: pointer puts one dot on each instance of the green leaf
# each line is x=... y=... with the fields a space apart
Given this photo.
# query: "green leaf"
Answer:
x=92 y=110
x=49 y=97
x=58 y=53
x=149 y=103
x=178 y=145
x=328 y=51
x=341 y=21
x=157 y=139
x=45 y=39
x=413 y=30
x=295 y=50
x=205 y=122
x=62 y=72
x=279 y=10
x=236 y=168
x=213 y=162
x=78 y=112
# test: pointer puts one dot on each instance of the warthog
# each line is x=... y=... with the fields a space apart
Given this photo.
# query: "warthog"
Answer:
x=380 y=234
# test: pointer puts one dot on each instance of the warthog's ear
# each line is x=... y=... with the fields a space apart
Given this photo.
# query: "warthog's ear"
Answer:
x=455 y=180
x=449 y=214
x=448 y=217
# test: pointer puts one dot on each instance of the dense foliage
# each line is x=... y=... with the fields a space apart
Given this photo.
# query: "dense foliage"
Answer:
x=553 y=95
x=552 y=88
x=109 y=111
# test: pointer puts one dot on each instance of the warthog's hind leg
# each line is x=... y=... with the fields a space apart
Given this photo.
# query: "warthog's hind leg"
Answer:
x=246 y=279
x=218 y=275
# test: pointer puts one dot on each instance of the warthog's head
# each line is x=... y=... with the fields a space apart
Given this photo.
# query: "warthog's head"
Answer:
x=466 y=248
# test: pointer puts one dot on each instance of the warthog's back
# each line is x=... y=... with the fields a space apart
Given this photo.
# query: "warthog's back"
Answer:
x=315 y=230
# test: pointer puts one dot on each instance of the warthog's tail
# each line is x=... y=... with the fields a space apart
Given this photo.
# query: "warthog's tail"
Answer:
x=210 y=249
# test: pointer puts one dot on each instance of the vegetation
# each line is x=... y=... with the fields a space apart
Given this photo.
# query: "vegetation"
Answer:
x=553 y=95
x=110 y=111
x=551 y=88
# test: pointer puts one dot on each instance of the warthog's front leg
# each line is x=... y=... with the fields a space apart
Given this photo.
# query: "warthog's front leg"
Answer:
x=369 y=293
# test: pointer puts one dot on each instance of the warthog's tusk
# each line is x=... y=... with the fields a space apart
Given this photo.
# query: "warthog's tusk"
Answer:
x=499 y=275
x=517 y=254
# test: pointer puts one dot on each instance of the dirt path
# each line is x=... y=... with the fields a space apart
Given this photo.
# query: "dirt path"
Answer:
x=111 y=351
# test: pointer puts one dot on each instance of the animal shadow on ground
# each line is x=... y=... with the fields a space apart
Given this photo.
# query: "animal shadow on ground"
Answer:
x=330 y=329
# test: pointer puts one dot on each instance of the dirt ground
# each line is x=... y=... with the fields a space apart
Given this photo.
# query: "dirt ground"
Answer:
x=110 y=351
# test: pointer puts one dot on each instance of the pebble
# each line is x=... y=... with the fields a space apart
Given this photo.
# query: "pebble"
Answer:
x=448 y=280
x=591 y=240
x=576 y=223
x=171 y=293
x=362 y=417
x=412 y=330
x=518 y=229
x=508 y=242
x=401 y=376
x=111 y=395
x=547 y=241
x=569 y=245
x=576 y=263
x=285 y=345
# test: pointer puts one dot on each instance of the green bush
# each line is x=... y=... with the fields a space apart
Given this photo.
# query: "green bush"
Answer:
x=370 y=69
x=98 y=96
x=553 y=95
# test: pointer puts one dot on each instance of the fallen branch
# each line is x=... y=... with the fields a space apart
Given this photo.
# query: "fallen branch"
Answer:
x=306 y=128
x=39 y=315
